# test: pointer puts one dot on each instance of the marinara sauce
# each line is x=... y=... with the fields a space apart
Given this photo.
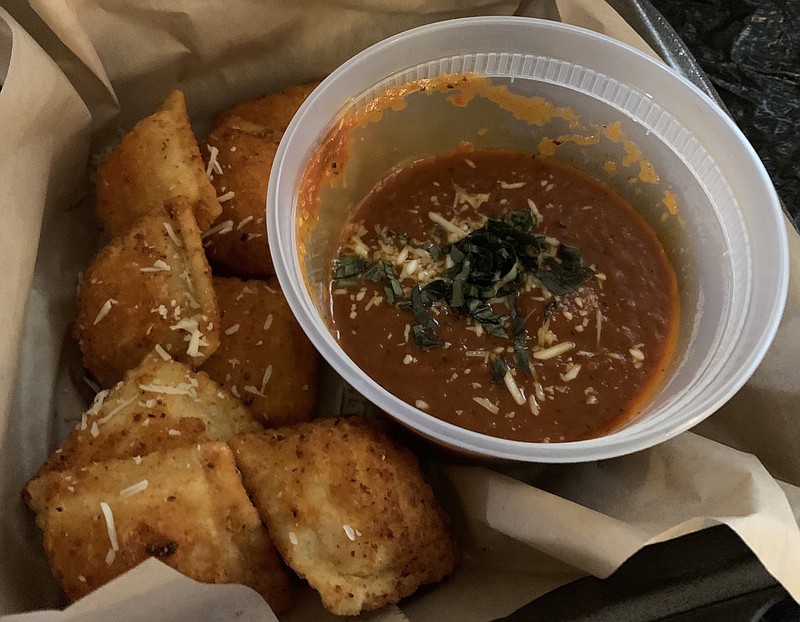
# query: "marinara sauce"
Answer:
x=564 y=350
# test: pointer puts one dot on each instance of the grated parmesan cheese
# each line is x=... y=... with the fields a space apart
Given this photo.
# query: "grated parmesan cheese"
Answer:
x=251 y=389
x=637 y=354
x=97 y=404
x=487 y=404
x=171 y=233
x=265 y=378
x=226 y=226
x=454 y=232
x=553 y=351
x=162 y=352
x=512 y=387
x=159 y=265
x=213 y=166
x=571 y=373
x=134 y=489
x=112 y=530
x=120 y=406
x=184 y=388
x=104 y=310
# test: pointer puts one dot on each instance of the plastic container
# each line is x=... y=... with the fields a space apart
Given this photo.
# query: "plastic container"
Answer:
x=727 y=242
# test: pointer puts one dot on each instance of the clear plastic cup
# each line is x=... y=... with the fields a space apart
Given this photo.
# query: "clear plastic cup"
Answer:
x=727 y=243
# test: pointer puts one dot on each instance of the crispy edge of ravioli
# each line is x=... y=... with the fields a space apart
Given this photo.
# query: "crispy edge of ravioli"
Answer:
x=158 y=406
x=264 y=357
x=267 y=116
x=157 y=160
x=151 y=286
x=348 y=509
x=238 y=243
x=186 y=507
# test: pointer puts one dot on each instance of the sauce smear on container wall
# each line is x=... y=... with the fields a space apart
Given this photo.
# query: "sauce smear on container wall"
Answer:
x=508 y=294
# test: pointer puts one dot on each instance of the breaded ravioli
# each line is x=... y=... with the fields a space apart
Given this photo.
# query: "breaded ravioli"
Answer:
x=187 y=507
x=348 y=509
x=151 y=286
x=263 y=358
x=156 y=161
x=240 y=164
x=266 y=117
x=159 y=405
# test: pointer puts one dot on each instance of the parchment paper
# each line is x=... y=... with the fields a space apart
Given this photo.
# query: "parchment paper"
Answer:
x=524 y=533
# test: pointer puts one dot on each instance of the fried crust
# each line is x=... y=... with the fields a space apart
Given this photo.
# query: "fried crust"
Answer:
x=157 y=160
x=150 y=286
x=266 y=117
x=348 y=509
x=187 y=507
x=264 y=358
x=158 y=406
x=238 y=242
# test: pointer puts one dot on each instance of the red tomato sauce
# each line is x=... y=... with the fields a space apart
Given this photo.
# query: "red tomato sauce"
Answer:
x=595 y=354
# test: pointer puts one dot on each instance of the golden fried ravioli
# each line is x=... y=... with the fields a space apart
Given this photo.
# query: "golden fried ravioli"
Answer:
x=237 y=244
x=348 y=509
x=151 y=286
x=159 y=405
x=263 y=358
x=157 y=160
x=186 y=507
x=266 y=117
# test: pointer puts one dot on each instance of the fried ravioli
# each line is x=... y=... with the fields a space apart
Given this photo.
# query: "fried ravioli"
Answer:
x=186 y=507
x=264 y=358
x=158 y=406
x=237 y=244
x=239 y=153
x=156 y=161
x=151 y=286
x=348 y=509
x=266 y=117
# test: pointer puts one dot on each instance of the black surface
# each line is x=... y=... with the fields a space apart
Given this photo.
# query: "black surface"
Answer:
x=750 y=50
x=708 y=575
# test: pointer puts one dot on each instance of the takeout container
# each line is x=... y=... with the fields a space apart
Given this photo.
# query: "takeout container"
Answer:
x=726 y=237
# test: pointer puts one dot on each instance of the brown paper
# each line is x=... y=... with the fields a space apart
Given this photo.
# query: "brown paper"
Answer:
x=764 y=417
x=45 y=138
x=523 y=535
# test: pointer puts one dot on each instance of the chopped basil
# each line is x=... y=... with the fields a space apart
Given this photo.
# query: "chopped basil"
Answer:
x=499 y=369
x=425 y=338
x=488 y=263
x=520 y=335
x=397 y=289
x=348 y=266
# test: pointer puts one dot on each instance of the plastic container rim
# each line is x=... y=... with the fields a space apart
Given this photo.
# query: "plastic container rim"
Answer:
x=611 y=445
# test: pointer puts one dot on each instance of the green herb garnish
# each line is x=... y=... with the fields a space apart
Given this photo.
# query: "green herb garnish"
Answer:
x=499 y=369
x=490 y=262
x=520 y=334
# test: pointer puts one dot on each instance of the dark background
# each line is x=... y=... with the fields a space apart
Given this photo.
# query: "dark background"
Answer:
x=750 y=50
